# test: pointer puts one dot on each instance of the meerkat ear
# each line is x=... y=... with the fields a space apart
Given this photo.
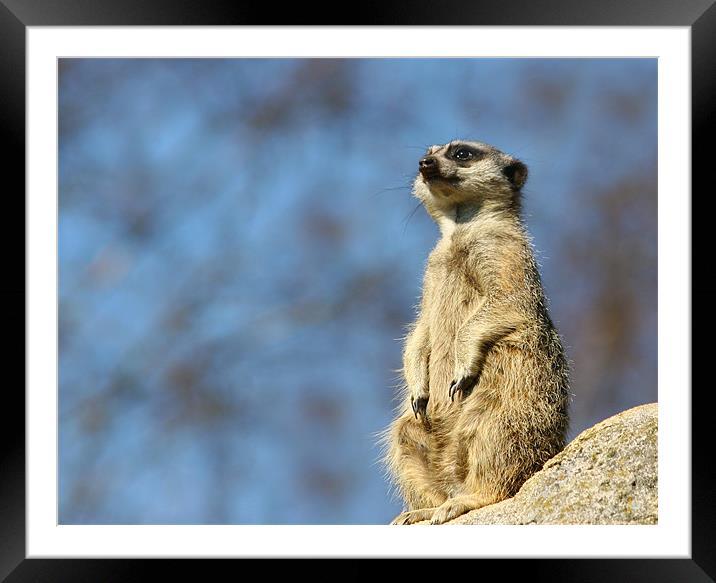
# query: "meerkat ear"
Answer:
x=516 y=173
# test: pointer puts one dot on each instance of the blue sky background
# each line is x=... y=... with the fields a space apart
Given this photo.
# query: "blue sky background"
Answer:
x=239 y=257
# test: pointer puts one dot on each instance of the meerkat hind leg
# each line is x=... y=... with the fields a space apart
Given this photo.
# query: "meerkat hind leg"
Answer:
x=457 y=506
x=413 y=516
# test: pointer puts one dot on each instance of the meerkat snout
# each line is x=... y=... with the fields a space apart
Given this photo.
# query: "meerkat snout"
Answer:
x=428 y=166
x=429 y=169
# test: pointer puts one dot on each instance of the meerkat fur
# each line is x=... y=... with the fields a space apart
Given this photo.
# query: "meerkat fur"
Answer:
x=485 y=392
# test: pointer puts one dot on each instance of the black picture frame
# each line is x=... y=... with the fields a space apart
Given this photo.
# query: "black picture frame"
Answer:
x=17 y=15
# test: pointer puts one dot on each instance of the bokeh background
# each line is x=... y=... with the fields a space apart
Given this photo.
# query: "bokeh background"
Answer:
x=239 y=255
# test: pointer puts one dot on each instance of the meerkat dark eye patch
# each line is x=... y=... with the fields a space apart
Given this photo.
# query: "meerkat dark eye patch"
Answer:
x=516 y=173
x=463 y=154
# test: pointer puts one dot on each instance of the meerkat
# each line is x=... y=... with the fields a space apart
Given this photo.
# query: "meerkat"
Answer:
x=485 y=399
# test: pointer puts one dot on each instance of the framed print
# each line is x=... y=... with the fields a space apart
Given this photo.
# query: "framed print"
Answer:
x=229 y=222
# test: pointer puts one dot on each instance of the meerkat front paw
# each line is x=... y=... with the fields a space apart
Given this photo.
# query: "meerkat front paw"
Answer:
x=419 y=406
x=463 y=384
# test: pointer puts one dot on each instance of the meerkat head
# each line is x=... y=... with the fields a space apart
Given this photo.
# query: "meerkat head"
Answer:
x=467 y=172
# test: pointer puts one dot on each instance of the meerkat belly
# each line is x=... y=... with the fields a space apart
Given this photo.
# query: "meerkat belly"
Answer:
x=454 y=301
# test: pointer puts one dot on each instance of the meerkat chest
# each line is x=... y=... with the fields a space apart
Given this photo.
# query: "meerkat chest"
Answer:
x=454 y=280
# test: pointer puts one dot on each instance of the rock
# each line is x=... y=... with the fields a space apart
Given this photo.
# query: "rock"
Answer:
x=606 y=475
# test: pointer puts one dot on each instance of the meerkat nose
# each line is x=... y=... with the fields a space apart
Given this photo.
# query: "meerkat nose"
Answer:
x=428 y=166
x=427 y=162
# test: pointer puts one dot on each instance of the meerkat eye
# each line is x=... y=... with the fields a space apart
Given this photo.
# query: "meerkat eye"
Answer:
x=463 y=154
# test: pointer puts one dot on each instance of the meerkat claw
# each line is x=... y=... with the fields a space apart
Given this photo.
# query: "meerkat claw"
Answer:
x=464 y=385
x=420 y=406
